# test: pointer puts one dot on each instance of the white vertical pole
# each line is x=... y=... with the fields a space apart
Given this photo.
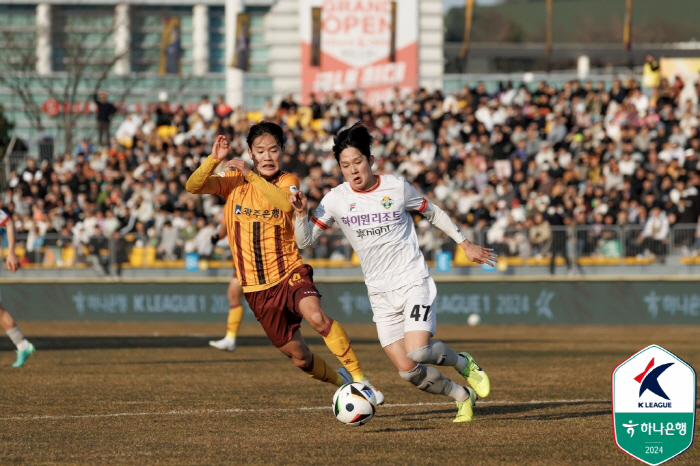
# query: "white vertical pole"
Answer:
x=583 y=66
x=234 y=76
x=122 y=38
x=200 y=39
x=43 y=38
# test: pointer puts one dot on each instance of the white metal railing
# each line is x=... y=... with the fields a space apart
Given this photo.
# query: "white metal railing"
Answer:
x=575 y=244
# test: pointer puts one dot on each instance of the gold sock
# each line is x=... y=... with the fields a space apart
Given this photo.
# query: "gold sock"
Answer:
x=338 y=342
x=235 y=315
x=323 y=372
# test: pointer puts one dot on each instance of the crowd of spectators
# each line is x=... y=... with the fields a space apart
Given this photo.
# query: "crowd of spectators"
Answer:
x=585 y=167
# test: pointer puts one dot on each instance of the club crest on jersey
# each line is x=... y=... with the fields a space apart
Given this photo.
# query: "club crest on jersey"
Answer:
x=352 y=207
x=238 y=209
x=387 y=202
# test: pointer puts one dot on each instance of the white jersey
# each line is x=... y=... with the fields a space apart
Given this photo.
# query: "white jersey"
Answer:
x=380 y=229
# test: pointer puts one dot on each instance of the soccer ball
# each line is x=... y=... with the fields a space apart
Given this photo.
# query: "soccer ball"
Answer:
x=473 y=320
x=354 y=404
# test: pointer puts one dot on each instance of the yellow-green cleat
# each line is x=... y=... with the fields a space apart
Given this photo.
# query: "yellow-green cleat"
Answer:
x=465 y=409
x=476 y=377
x=23 y=355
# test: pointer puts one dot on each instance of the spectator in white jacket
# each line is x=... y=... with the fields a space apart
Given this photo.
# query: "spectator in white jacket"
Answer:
x=654 y=237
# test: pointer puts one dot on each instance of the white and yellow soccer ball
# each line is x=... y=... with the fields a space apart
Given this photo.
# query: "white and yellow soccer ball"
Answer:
x=354 y=404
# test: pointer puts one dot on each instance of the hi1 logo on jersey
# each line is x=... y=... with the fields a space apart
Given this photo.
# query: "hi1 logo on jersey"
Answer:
x=653 y=405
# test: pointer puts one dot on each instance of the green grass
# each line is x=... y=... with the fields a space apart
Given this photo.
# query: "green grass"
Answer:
x=127 y=397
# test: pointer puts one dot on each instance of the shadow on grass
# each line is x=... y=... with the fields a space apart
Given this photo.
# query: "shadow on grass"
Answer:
x=402 y=429
x=511 y=411
x=108 y=342
x=191 y=361
x=113 y=342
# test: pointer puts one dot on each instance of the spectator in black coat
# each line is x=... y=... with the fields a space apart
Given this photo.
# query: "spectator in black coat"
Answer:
x=105 y=112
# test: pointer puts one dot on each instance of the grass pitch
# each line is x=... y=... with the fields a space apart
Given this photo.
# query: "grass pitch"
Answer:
x=158 y=394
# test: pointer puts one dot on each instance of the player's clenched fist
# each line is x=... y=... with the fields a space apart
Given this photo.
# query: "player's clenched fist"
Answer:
x=298 y=201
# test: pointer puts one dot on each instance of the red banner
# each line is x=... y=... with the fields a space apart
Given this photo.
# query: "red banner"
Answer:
x=360 y=48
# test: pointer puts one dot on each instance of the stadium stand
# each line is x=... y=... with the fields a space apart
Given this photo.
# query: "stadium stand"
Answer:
x=583 y=174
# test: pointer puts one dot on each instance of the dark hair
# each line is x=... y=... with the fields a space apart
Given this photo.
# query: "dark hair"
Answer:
x=265 y=127
x=356 y=136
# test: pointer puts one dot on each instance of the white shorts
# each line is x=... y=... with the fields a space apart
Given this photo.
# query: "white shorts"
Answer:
x=403 y=310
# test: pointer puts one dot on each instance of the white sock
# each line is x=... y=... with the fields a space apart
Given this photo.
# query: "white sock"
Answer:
x=366 y=381
x=458 y=392
x=17 y=338
x=430 y=380
x=461 y=363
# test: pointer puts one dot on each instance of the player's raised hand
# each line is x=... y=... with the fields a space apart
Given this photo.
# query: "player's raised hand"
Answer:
x=239 y=165
x=478 y=254
x=220 y=149
x=298 y=201
x=12 y=262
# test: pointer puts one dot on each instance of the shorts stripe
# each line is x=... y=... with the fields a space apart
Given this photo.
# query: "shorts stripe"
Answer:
x=278 y=251
x=239 y=252
x=257 y=250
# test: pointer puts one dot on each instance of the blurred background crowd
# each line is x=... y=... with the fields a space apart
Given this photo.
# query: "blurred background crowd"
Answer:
x=579 y=170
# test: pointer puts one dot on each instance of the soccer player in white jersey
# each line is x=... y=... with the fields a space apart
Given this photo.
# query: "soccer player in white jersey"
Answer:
x=373 y=213
x=24 y=348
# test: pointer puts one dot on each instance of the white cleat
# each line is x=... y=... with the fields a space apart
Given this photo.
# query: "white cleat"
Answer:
x=377 y=394
x=347 y=378
x=225 y=344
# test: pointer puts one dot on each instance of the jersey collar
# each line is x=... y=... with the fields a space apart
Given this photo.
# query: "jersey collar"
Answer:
x=273 y=179
x=373 y=188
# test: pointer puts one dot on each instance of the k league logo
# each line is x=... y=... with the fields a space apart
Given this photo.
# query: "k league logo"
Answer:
x=653 y=404
x=650 y=381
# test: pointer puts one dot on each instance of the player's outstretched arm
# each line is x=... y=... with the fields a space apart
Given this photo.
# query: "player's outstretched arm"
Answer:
x=436 y=216
x=200 y=182
x=305 y=231
x=276 y=196
x=442 y=221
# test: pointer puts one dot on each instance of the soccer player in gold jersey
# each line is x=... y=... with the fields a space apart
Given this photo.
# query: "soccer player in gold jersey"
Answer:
x=278 y=287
